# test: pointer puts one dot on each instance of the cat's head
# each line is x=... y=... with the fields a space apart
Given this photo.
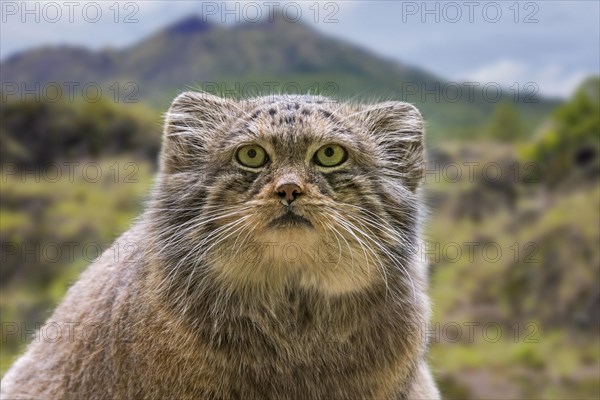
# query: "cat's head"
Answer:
x=279 y=189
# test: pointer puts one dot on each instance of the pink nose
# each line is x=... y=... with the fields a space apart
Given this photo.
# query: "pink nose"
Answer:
x=289 y=192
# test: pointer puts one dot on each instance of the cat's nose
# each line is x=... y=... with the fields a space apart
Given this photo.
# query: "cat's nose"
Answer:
x=288 y=192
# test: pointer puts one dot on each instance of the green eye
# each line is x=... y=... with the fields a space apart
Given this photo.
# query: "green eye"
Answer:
x=252 y=156
x=330 y=155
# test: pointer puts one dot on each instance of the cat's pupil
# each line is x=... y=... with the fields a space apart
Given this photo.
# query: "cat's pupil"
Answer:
x=329 y=152
x=251 y=153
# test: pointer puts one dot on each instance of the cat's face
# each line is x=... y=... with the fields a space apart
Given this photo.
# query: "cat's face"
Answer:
x=300 y=188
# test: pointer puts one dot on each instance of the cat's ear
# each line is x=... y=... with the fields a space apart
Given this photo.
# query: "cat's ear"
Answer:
x=399 y=130
x=191 y=122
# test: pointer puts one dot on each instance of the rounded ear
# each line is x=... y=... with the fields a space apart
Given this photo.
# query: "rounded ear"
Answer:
x=191 y=121
x=399 y=129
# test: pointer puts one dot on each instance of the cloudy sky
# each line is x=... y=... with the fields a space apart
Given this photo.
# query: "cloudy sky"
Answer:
x=554 y=44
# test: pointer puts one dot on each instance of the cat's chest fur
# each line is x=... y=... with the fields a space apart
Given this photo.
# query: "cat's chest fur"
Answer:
x=295 y=347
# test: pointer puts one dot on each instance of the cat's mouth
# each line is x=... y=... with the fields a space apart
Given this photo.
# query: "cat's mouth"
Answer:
x=290 y=219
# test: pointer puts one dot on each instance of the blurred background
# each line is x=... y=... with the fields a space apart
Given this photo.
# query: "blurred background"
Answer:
x=510 y=92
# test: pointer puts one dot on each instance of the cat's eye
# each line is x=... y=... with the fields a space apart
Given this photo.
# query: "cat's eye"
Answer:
x=252 y=156
x=330 y=155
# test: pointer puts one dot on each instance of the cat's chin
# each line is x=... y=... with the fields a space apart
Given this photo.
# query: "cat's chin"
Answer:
x=274 y=258
x=293 y=248
x=290 y=220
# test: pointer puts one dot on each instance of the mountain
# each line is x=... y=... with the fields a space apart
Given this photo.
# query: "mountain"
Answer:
x=254 y=59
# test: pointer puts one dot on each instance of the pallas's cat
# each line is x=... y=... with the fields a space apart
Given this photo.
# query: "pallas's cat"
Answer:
x=274 y=260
